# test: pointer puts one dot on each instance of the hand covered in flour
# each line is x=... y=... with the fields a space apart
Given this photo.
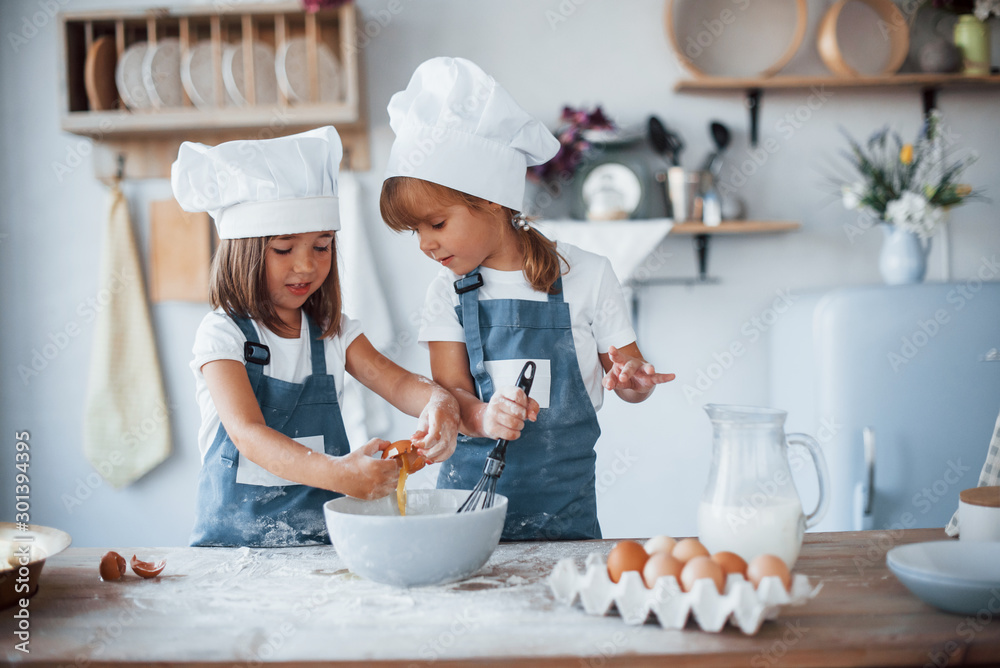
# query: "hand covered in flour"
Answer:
x=505 y=415
x=365 y=477
x=437 y=427
x=632 y=373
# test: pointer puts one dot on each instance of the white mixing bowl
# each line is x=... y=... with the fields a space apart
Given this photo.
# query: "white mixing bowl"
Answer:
x=432 y=544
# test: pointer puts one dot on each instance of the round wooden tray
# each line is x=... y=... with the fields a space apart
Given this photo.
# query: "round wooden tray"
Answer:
x=802 y=14
x=896 y=30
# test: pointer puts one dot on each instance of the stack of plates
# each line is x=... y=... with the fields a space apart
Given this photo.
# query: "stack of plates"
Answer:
x=153 y=77
x=955 y=576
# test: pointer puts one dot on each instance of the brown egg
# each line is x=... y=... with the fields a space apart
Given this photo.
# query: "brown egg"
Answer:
x=661 y=564
x=147 y=569
x=112 y=566
x=659 y=544
x=730 y=562
x=626 y=555
x=688 y=549
x=766 y=565
x=702 y=567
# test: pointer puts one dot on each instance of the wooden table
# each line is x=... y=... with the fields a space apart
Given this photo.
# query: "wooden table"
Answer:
x=301 y=607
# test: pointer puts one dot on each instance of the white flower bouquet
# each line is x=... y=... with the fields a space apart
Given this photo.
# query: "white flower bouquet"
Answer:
x=909 y=185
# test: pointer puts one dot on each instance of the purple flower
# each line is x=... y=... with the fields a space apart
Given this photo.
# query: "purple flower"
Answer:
x=572 y=145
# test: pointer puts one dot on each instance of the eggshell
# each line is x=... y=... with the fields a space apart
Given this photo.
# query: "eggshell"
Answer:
x=766 y=565
x=147 y=569
x=730 y=562
x=702 y=567
x=403 y=450
x=661 y=564
x=112 y=566
x=626 y=555
x=688 y=549
x=660 y=544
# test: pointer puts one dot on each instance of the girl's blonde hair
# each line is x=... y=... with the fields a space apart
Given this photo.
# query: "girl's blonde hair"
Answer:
x=239 y=285
x=543 y=264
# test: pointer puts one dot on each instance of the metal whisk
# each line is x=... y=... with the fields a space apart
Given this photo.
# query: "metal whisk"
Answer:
x=485 y=490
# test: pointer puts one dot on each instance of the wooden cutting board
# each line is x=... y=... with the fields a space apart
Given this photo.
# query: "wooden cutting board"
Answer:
x=180 y=253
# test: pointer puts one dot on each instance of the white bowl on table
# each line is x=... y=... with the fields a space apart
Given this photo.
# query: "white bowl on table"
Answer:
x=956 y=576
x=44 y=542
x=432 y=544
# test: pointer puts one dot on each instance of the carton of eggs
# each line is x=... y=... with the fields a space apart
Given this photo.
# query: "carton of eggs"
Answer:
x=674 y=580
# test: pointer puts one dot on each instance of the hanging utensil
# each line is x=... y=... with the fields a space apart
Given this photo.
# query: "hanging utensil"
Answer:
x=666 y=143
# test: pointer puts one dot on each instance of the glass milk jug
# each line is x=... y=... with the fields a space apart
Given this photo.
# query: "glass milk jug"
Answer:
x=750 y=505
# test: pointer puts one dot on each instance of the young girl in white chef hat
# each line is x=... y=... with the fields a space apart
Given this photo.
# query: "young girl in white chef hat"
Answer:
x=269 y=361
x=506 y=294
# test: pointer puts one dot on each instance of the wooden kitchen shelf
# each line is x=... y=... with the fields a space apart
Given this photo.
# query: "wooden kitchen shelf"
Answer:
x=910 y=80
x=753 y=88
x=148 y=138
x=737 y=227
x=702 y=233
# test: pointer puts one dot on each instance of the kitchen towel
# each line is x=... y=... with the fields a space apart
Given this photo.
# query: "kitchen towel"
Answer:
x=988 y=477
x=365 y=414
x=633 y=256
x=126 y=429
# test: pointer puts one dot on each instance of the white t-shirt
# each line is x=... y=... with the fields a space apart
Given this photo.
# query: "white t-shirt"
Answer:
x=597 y=309
x=220 y=338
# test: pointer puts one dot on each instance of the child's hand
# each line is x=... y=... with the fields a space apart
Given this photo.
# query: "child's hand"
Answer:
x=632 y=373
x=437 y=427
x=506 y=413
x=366 y=477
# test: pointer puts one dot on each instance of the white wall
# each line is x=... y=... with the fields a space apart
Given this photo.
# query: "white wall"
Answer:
x=612 y=53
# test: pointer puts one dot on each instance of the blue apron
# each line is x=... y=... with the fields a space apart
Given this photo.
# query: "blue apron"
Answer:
x=233 y=513
x=550 y=470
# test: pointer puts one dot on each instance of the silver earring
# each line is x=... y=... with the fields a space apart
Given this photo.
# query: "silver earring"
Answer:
x=520 y=221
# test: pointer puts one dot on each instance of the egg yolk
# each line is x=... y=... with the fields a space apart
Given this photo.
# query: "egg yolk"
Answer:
x=409 y=462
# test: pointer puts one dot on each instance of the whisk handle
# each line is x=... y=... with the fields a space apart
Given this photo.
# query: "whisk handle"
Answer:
x=525 y=380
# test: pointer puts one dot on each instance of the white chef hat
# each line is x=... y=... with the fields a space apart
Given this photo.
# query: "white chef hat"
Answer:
x=457 y=127
x=263 y=187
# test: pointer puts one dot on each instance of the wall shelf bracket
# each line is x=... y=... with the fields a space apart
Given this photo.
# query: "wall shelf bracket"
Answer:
x=753 y=105
x=929 y=96
x=701 y=253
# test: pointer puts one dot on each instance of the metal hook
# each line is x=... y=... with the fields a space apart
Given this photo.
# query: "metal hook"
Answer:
x=121 y=167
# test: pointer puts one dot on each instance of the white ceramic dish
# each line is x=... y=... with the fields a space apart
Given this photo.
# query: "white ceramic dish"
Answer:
x=740 y=604
x=128 y=77
x=956 y=576
x=198 y=75
x=161 y=73
x=45 y=542
x=432 y=544
x=291 y=68
x=265 y=81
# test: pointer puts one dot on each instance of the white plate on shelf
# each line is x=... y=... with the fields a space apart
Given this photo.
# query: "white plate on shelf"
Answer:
x=128 y=77
x=292 y=70
x=265 y=81
x=956 y=576
x=198 y=75
x=161 y=73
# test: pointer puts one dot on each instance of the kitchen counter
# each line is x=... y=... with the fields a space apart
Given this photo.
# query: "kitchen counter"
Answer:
x=300 y=606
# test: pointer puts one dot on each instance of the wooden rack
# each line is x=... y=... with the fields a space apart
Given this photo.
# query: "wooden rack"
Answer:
x=148 y=138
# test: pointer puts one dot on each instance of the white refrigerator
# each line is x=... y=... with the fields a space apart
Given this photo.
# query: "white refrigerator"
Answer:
x=901 y=386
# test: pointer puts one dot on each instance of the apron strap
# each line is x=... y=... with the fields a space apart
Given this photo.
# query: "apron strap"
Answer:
x=252 y=352
x=468 y=294
x=557 y=298
x=316 y=348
